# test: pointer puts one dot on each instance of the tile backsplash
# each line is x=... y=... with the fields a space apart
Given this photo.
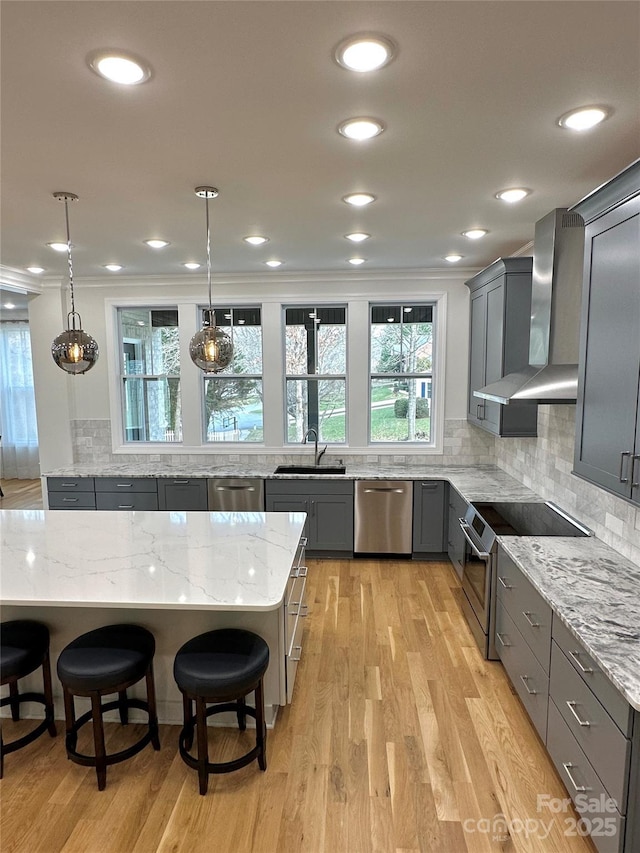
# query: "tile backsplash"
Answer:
x=544 y=464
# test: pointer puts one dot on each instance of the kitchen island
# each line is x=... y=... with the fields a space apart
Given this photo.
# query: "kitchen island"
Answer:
x=176 y=573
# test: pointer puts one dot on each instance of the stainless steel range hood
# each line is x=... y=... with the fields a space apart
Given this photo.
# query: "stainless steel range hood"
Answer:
x=552 y=373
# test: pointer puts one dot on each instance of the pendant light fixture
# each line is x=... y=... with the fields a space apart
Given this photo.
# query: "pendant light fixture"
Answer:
x=74 y=351
x=210 y=349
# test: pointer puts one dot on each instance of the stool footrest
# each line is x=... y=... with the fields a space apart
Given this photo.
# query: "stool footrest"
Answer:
x=223 y=766
x=42 y=727
x=114 y=757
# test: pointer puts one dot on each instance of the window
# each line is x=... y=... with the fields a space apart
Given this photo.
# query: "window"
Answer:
x=315 y=367
x=150 y=374
x=233 y=405
x=401 y=378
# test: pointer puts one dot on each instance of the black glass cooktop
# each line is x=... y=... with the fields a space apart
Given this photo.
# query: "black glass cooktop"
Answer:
x=528 y=519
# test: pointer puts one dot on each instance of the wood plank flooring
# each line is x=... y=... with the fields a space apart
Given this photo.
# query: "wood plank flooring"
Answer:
x=400 y=739
x=21 y=494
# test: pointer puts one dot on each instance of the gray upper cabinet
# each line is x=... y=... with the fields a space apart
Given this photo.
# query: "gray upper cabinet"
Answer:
x=499 y=343
x=182 y=494
x=607 y=422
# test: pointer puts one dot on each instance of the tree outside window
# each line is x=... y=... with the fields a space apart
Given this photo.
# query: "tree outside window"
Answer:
x=315 y=366
x=401 y=373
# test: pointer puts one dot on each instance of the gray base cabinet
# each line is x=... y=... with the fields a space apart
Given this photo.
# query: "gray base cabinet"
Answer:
x=182 y=494
x=137 y=493
x=329 y=508
x=499 y=343
x=607 y=418
x=71 y=493
x=456 y=509
x=429 y=517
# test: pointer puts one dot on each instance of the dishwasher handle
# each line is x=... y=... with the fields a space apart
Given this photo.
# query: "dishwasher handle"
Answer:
x=386 y=489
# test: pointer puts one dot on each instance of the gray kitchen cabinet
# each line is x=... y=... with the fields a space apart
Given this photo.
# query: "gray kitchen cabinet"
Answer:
x=456 y=509
x=607 y=447
x=499 y=343
x=182 y=494
x=71 y=493
x=126 y=493
x=429 y=517
x=329 y=508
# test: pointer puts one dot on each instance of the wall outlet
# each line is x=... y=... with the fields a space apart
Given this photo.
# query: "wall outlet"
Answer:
x=399 y=459
x=233 y=457
x=372 y=458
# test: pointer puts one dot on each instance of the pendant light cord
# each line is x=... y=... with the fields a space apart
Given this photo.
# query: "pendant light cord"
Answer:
x=211 y=314
x=66 y=216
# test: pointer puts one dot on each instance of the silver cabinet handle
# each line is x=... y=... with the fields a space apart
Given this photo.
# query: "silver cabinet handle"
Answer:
x=125 y=506
x=180 y=482
x=575 y=657
x=299 y=572
x=429 y=485
x=623 y=454
x=527 y=616
x=634 y=483
x=572 y=708
x=568 y=768
x=478 y=415
x=304 y=610
x=293 y=657
x=303 y=541
x=68 y=485
x=124 y=485
x=70 y=500
x=503 y=582
x=525 y=680
x=502 y=642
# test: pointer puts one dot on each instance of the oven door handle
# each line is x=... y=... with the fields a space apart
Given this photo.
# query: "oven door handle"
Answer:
x=482 y=555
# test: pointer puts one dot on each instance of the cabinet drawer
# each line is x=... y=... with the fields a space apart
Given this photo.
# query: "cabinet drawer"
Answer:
x=126 y=501
x=598 y=736
x=524 y=604
x=583 y=784
x=126 y=484
x=79 y=500
x=296 y=607
x=524 y=670
x=70 y=484
x=614 y=702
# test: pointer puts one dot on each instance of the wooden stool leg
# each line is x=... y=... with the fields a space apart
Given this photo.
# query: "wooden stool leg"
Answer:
x=261 y=729
x=187 y=716
x=48 y=694
x=14 y=702
x=69 y=719
x=203 y=745
x=123 y=710
x=98 y=740
x=153 y=713
x=242 y=717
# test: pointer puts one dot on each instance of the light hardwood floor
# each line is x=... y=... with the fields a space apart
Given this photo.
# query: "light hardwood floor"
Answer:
x=400 y=738
x=21 y=494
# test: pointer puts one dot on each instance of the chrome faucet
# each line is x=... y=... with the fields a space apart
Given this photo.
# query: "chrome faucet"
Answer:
x=316 y=456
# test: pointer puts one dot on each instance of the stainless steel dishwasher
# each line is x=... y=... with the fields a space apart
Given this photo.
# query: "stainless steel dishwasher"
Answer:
x=383 y=517
x=235 y=494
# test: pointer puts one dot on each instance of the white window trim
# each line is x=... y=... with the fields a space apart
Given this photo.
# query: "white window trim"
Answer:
x=273 y=342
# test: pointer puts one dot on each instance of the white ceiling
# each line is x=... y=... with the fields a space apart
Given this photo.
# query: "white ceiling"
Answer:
x=246 y=96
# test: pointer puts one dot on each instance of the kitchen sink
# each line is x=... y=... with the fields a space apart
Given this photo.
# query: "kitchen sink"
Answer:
x=310 y=469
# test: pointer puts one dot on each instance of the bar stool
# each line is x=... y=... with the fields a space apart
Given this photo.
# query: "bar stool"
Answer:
x=220 y=668
x=24 y=646
x=107 y=660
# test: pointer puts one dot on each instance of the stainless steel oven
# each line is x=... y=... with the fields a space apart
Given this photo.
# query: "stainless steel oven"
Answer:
x=482 y=525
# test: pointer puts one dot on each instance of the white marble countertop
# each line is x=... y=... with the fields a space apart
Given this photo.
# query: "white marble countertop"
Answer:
x=596 y=593
x=170 y=560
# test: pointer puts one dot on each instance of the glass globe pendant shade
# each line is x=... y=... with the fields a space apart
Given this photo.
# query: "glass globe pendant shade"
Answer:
x=211 y=349
x=74 y=351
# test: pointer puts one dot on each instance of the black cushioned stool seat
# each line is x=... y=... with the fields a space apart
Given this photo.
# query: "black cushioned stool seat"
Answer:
x=107 y=660
x=24 y=646
x=220 y=668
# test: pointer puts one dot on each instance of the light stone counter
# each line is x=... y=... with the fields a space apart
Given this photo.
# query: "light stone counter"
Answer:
x=595 y=592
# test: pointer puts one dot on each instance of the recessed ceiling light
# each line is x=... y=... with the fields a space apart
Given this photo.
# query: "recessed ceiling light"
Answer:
x=453 y=258
x=359 y=199
x=513 y=194
x=361 y=128
x=584 y=118
x=113 y=267
x=36 y=270
x=357 y=236
x=365 y=52
x=119 y=67
x=274 y=263
x=255 y=240
x=191 y=266
x=474 y=233
x=357 y=261
x=59 y=247
x=157 y=244
x=9 y=305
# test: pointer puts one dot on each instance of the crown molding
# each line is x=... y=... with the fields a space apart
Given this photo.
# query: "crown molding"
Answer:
x=19 y=280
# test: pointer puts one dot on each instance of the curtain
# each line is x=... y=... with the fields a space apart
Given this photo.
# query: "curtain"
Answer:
x=18 y=428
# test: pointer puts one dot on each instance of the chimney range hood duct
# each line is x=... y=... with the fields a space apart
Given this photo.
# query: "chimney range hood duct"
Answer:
x=556 y=294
